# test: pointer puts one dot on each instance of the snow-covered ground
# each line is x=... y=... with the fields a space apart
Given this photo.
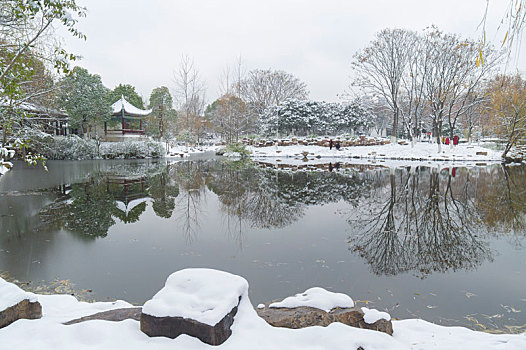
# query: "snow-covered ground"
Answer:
x=422 y=151
x=249 y=332
x=179 y=151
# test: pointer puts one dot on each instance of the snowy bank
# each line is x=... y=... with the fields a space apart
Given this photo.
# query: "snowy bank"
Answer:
x=179 y=151
x=248 y=332
x=422 y=151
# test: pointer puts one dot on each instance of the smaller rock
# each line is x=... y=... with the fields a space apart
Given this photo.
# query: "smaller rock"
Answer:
x=25 y=309
x=302 y=317
x=16 y=304
x=482 y=153
x=115 y=315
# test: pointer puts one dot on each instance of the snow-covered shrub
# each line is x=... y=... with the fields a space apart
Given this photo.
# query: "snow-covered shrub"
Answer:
x=236 y=149
x=132 y=150
x=72 y=147
x=33 y=140
x=186 y=136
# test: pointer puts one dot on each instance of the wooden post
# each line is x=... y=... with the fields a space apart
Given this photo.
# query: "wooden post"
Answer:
x=140 y=125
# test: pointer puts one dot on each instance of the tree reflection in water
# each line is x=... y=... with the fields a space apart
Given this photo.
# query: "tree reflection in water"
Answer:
x=502 y=201
x=423 y=221
x=415 y=220
x=90 y=208
x=268 y=198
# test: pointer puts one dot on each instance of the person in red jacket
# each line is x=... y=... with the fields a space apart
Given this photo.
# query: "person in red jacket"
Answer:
x=455 y=140
x=447 y=140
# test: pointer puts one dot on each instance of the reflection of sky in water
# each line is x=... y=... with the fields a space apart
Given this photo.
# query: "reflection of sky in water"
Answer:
x=283 y=232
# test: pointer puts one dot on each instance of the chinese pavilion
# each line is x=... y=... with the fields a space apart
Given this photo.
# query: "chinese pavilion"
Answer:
x=129 y=117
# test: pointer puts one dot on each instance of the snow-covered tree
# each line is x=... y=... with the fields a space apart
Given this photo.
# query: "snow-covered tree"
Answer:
x=228 y=116
x=162 y=121
x=129 y=93
x=28 y=53
x=264 y=88
x=507 y=109
x=85 y=99
x=304 y=117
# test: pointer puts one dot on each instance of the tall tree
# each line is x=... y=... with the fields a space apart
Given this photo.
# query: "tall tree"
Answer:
x=380 y=68
x=163 y=116
x=227 y=114
x=189 y=92
x=129 y=93
x=507 y=112
x=265 y=88
x=453 y=76
x=85 y=99
x=24 y=26
x=27 y=49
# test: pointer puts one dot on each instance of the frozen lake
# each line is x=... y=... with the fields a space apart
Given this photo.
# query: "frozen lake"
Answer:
x=445 y=245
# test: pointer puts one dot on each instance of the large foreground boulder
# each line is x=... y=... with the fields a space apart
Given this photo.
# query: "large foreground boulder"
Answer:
x=318 y=307
x=16 y=304
x=198 y=302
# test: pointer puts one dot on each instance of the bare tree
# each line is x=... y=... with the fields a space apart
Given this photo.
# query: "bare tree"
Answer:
x=189 y=92
x=453 y=76
x=380 y=68
x=265 y=88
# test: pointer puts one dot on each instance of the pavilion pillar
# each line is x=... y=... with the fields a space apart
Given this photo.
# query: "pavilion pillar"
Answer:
x=123 y=124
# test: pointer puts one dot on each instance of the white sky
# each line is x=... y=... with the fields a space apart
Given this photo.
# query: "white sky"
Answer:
x=140 y=42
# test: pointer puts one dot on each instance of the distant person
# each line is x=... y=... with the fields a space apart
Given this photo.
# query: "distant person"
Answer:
x=337 y=165
x=330 y=167
x=447 y=140
x=330 y=144
x=455 y=140
x=337 y=146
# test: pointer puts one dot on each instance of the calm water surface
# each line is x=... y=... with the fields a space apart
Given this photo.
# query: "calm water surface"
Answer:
x=444 y=245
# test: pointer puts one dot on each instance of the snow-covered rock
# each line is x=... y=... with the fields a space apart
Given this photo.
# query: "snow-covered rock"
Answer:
x=248 y=332
x=372 y=315
x=318 y=298
x=16 y=304
x=198 y=302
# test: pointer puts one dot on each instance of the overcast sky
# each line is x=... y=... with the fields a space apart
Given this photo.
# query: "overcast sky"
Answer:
x=140 y=42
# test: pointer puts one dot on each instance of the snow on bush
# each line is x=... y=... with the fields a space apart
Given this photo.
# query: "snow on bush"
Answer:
x=132 y=150
x=73 y=147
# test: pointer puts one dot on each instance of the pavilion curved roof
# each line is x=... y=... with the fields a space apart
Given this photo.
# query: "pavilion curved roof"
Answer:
x=129 y=109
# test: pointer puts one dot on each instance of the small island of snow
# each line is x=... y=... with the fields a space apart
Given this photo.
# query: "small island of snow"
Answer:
x=318 y=298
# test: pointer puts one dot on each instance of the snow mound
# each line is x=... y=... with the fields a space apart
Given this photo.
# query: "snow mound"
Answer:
x=372 y=315
x=232 y=154
x=12 y=295
x=318 y=298
x=204 y=295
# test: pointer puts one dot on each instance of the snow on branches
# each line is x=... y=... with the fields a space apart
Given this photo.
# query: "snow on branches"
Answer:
x=304 y=117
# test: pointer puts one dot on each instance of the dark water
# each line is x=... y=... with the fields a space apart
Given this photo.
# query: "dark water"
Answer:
x=443 y=245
